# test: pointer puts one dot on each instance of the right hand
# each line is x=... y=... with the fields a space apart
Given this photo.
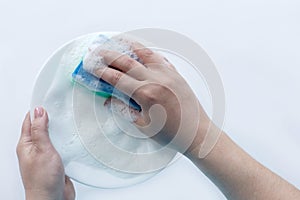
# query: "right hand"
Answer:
x=156 y=82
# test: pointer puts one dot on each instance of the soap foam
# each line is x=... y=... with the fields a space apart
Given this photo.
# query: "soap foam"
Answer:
x=93 y=61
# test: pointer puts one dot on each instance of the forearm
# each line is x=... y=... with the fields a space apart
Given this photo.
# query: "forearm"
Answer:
x=239 y=176
x=38 y=195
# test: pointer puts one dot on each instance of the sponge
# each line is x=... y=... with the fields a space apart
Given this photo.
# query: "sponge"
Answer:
x=83 y=74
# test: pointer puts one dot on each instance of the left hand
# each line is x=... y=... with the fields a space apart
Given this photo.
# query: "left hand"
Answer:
x=41 y=167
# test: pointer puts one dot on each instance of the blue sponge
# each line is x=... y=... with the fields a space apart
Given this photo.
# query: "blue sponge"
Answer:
x=100 y=87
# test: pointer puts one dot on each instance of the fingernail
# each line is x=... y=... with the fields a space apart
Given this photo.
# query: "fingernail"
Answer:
x=99 y=72
x=38 y=112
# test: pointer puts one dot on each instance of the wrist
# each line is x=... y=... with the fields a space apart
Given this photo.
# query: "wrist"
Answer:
x=206 y=138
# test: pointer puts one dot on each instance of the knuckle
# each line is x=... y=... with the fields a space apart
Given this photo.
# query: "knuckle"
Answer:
x=36 y=128
x=144 y=52
x=149 y=95
x=128 y=62
x=19 y=150
x=117 y=76
x=147 y=52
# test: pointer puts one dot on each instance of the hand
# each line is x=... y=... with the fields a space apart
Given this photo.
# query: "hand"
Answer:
x=41 y=167
x=169 y=106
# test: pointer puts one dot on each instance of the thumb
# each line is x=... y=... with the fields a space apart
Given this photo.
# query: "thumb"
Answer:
x=118 y=107
x=39 y=129
x=128 y=113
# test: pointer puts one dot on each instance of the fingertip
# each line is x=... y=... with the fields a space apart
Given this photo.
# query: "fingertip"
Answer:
x=137 y=45
x=46 y=116
x=39 y=127
x=40 y=121
x=99 y=72
x=125 y=111
x=139 y=121
x=38 y=112
x=103 y=52
x=144 y=53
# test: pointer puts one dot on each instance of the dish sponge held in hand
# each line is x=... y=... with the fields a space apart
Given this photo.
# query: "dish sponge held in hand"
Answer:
x=84 y=72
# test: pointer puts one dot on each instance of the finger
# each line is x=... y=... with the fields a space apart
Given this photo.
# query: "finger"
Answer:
x=26 y=130
x=128 y=113
x=39 y=129
x=123 y=63
x=69 y=190
x=118 y=79
x=169 y=64
x=150 y=57
x=123 y=110
x=141 y=120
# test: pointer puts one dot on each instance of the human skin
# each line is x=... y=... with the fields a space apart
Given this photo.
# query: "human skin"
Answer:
x=239 y=176
x=41 y=167
x=235 y=172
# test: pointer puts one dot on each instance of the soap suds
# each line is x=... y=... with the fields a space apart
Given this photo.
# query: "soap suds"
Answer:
x=93 y=61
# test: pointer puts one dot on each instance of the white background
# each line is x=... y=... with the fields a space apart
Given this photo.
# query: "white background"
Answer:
x=254 y=44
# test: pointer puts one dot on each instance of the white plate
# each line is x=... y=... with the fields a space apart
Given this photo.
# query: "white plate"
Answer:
x=65 y=101
x=77 y=118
